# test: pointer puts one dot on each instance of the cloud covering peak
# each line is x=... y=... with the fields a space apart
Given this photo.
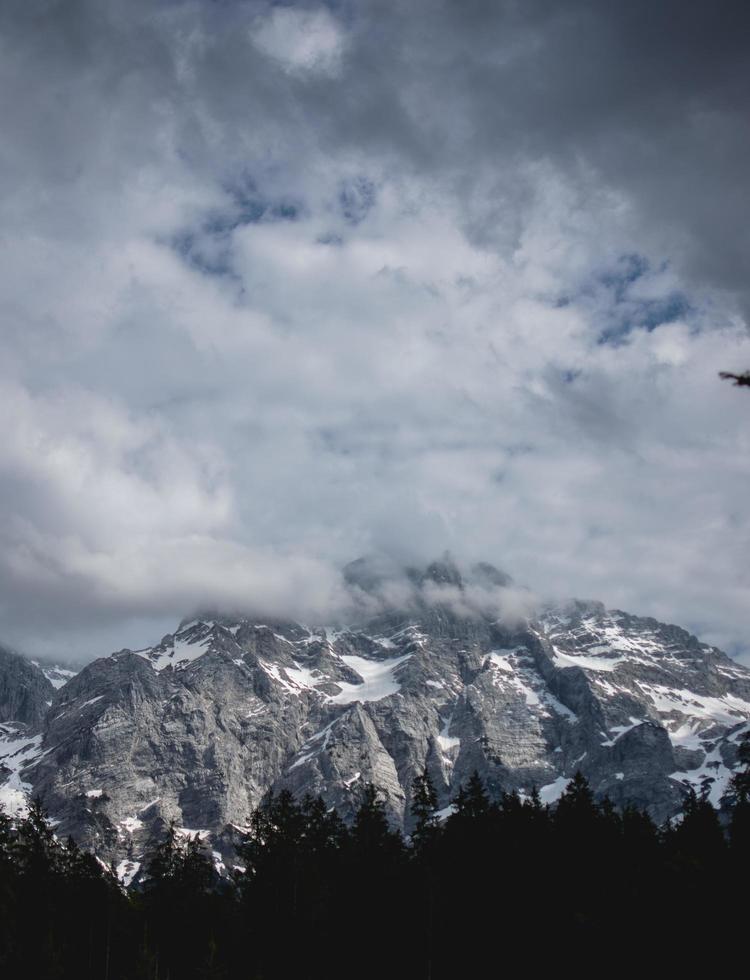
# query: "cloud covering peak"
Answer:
x=287 y=284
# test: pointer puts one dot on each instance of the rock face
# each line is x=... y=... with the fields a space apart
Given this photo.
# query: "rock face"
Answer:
x=25 y=693
x=25 y=697
x=199 y=727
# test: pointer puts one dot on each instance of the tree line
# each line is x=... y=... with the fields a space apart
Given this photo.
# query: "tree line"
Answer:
x=497 y=888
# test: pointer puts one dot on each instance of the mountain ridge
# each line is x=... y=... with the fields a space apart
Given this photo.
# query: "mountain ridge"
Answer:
x=201 y=726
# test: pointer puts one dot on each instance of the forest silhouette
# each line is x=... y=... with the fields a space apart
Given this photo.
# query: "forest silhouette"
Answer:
x=497 y=888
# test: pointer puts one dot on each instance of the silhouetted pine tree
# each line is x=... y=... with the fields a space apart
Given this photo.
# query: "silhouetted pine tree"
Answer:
x=180 y=905
x=739 y=827
x=163 y=866
x=424 y=805
x=576 y=808
x=8 y=893
x=471 y=802
x=372 y=884
x=371 y=838
x=585 y=840
x=425 y=840
x=317 y=897
x=698 y=837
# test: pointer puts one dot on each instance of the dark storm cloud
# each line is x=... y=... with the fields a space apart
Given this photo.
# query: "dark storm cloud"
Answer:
x=284 y=284
x=648 y=98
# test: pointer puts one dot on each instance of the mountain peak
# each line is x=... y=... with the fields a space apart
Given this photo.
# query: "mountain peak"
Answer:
x=199 y=727
x=487 y=576
x=371 y=575
x=443 y=572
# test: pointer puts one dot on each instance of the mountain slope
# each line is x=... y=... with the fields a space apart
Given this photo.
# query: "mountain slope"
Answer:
x=199 y=727
x=25 y=696
x=25 y=692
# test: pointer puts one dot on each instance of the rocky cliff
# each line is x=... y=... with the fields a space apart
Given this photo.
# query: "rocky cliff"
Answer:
x=199 y=727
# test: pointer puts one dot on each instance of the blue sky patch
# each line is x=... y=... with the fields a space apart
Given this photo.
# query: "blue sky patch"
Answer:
x=208 y=247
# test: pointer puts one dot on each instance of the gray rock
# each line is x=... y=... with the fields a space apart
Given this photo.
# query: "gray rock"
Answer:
x=201 y=726
x=25 y=693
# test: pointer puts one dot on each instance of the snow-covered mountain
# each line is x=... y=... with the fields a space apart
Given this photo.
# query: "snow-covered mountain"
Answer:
x=199 y=727
x=56 y=674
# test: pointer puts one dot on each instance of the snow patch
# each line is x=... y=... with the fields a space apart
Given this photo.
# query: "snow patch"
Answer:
x=308 y=753
x=378 y=680
x=384 y=642
x=90 y=701
x=500 y=659
x=713 y=771
x=127 y=870
x=56 y=675
x=188 y=832
x=726 y=710
x=513 y=673
x=131 y=824
x=17 y=751
x=619 y=730
x=447 y=811
x=179 y=654
x=448 y=742
x=598 y=662
x=552 y=792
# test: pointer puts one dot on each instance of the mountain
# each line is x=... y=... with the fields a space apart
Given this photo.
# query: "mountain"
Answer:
x=200 y=726
x=56 y=674
x=25 y=691
x=25 y=697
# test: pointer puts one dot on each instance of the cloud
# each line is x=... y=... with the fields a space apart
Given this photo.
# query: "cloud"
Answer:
x=302 y=41
x=121 y=511
x=284 y=285
x=510 y=604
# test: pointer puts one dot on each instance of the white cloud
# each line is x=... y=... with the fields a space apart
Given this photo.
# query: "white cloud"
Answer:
x=259 y=318
x=302 y=41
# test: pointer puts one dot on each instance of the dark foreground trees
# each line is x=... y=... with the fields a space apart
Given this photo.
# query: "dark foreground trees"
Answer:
x=497 y=889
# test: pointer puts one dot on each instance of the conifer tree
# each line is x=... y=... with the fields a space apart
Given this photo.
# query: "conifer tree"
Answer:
x=536 y=812
x=63 y=915
x=38 y=848
x=699 y=837
x=8 y=888
x=324 y=830
x=371 y=835
x=739 y=828
x=164 y=862
x=577 y=802
x=424 y=803
x=425 y=840
x=472 y=802
x=639 y=831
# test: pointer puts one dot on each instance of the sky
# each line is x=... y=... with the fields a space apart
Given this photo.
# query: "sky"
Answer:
x=283 y=284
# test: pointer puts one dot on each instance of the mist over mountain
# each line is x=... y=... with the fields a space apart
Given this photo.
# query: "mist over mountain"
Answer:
x=440 y=668
x=374 y=576
x=285 y=284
